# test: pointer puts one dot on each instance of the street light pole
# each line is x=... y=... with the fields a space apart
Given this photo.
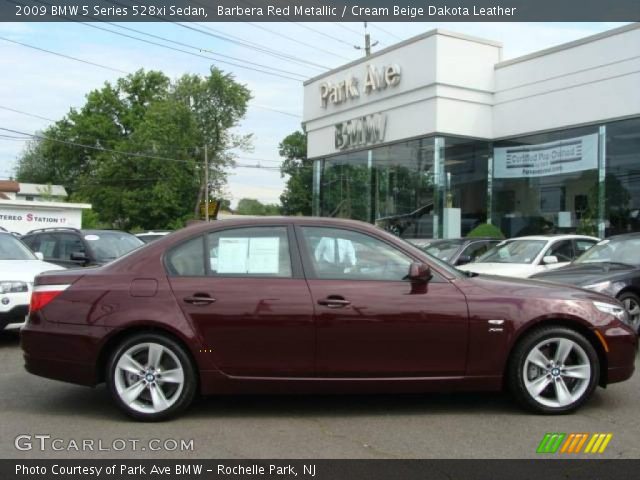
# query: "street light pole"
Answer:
x=206 y=185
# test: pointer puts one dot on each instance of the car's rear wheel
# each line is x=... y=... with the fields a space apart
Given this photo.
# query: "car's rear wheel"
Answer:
x=553 y=370
x=151 y=377
x=631 y=303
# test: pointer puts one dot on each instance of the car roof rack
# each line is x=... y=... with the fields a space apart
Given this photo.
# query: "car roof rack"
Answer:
x=51 y=229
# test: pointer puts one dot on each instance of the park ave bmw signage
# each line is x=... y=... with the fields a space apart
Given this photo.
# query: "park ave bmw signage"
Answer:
x=375 y=79
x=361 y=131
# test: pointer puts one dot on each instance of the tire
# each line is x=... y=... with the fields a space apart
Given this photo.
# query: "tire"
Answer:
x=562 y=386
x=151 y=377
x=631 y=303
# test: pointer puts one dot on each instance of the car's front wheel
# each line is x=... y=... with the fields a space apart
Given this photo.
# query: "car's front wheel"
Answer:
x=553 y=370
x=151 y=377
x=631 y=303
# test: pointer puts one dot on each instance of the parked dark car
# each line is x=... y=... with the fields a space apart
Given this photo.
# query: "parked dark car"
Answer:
x=73 y=248
x=458 y=251
x=315 y=305
x=611 y=267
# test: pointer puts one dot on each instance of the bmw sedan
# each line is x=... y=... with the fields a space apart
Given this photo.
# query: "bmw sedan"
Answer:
x=316 y=305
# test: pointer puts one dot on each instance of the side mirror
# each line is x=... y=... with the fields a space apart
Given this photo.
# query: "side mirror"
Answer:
x=419 y=273
x=550 y=260
x=464 y=259
x=39 y=255
x=79 y=257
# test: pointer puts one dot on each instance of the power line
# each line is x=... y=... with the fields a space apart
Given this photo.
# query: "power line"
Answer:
x=344 y=27
x=295 y=115
x=197 y=48
x=386 y=31
x=200 y=55
x=246 y=44
x=280 y=34
x=69 y=57
x=26 y=113
x=322 y=33
x=111 y=150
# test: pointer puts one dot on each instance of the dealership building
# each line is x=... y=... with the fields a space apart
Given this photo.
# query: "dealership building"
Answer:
x=437 y=134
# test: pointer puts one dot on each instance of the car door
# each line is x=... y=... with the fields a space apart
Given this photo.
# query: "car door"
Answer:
x=370 y=321
x=562 y=250
x=244 y=292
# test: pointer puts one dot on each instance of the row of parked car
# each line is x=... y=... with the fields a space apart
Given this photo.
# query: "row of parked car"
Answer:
x=610 y=266
x=22 y=257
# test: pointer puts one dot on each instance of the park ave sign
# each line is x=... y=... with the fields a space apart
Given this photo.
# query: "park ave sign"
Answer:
x=360 y=132
x=375 y=79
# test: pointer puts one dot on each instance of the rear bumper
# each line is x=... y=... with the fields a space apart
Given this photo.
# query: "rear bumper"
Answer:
x=62 y=353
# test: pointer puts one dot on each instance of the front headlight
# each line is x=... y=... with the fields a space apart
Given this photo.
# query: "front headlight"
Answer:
x=598 y=287
x=615 y=310
x=13 y=287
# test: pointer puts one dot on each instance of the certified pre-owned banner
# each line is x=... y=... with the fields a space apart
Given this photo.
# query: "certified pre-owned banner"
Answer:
x=553 y=158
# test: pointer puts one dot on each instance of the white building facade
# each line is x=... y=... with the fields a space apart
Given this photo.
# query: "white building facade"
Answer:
x=435 y=135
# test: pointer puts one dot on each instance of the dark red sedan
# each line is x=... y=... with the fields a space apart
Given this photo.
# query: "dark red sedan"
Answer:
x=316 y=305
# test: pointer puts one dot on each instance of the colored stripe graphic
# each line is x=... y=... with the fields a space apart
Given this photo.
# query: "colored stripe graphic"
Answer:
x=598 y=443
x=551 y=442
x=573 y=443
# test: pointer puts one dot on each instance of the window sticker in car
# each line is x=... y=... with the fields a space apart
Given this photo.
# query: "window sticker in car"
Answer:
x=232 y=255
x=259 y=255
x=91 y=238
x=264 y=255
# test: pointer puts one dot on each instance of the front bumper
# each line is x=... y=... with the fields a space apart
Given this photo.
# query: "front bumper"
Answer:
x=622 y=345
x=15 y=316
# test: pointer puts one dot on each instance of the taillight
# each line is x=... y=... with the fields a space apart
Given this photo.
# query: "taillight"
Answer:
x=44 y=294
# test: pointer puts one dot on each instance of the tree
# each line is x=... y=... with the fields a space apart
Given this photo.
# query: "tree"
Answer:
x=159 y=125
x=298 y=193
x=251 y=206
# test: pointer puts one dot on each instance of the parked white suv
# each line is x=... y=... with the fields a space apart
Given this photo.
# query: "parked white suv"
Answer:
x=18 y=268
x=525 y=256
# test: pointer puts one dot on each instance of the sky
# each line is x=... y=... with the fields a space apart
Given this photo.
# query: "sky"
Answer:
x=47 y=85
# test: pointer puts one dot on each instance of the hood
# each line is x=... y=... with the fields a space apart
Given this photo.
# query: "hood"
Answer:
x=587 y=273
x=24 y=270
x=518 y=270
x=524 y=287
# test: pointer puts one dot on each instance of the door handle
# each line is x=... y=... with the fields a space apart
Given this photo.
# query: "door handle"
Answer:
x=334 y=302
x=199 y=299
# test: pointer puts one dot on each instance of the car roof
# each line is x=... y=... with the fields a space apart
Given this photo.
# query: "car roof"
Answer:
x=554 y=237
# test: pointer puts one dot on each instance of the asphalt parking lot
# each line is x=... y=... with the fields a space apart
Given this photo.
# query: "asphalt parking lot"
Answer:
x=379 y=426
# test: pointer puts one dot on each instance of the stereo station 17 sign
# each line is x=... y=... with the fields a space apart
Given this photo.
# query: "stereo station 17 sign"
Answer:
x=553 y=158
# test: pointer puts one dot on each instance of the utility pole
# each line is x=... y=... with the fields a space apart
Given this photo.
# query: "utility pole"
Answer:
x=206 y=185
x=367 y=42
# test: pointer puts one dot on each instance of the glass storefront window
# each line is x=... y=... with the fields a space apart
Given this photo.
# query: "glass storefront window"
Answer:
x=547 y=183
x=403 y=188
x=622 y=180
x=345 y=186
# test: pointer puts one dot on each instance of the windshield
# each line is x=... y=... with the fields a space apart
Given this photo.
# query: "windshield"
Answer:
x=443 y=250
x=13 y=249
x=513 y=251
x=107 y=246
x=623 y=250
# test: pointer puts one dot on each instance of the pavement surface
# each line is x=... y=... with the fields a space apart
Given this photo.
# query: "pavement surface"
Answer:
x=372 y=426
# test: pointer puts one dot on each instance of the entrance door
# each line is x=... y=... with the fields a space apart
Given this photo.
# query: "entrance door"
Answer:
x=370 y=321
x=248 y=300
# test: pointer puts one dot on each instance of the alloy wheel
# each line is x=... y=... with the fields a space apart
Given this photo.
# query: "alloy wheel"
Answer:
x=149 y=378
x=633 y=309
x=557 y=372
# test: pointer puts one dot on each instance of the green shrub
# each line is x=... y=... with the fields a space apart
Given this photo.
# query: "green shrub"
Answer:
x=486 y=230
